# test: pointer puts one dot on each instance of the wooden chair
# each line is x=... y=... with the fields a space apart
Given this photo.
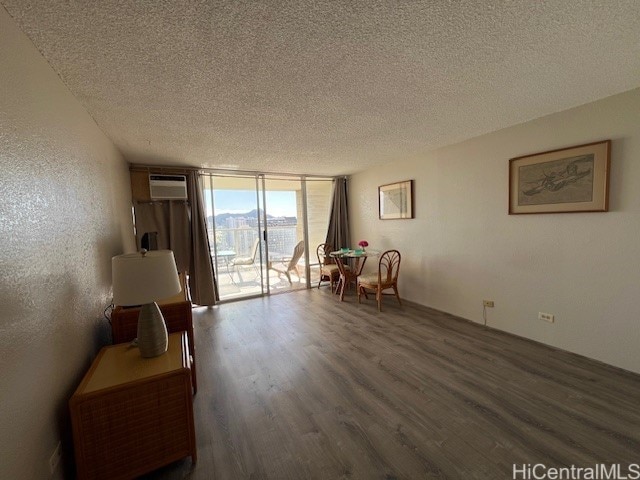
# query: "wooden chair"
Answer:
x=291 y=265
x=387 y=277
x=329 y=271
x=347 y=275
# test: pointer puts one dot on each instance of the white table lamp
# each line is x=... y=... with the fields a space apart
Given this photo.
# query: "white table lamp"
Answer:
x=141 y=279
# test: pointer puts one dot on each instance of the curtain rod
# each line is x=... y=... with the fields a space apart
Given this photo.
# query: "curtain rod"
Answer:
x=268 y=176
x=141 y=202
x=222 y=171
x=173 y=168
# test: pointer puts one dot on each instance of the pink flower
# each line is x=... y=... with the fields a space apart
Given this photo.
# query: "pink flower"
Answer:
x=363 y=243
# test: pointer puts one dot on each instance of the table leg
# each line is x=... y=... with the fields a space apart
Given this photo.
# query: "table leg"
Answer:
x=229 y=272
x=359 y=265
x=343 y=281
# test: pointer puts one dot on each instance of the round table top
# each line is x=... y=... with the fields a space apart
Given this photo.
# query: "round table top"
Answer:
x=354 y=253
x=225 y=253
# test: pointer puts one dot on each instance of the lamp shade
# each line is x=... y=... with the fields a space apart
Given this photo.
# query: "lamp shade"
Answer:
x=141 y=278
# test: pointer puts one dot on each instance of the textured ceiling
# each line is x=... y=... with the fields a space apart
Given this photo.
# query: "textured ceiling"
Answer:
x=326 y=87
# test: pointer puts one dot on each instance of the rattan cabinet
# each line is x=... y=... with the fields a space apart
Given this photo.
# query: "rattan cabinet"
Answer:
x=131 y=415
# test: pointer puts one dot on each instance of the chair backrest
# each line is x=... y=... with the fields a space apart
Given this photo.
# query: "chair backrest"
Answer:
x=297 y=253
x=389 y=267
x=322 y=252
x=254 y=249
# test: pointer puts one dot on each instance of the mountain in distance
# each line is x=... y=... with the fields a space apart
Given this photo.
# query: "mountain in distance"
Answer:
x=222 y=217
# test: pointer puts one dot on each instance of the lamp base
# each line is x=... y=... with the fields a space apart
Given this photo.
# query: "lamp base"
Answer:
x=152 y=331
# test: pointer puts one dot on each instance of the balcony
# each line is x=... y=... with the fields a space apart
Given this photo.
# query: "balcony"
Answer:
x=235 y=281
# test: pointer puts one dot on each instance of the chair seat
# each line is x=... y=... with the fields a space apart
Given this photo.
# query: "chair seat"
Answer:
x=371 y=279
x=332 y=268
x=242 y=261
x=279 y=267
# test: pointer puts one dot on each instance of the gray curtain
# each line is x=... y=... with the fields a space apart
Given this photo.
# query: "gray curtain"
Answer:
x=202 y=281
x=338 y=233
x=170 y=218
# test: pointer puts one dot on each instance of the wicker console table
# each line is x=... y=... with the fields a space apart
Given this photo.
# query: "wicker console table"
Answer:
x=131 y=415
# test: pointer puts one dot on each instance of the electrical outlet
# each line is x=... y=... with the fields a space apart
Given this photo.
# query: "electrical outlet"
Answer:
x=488 y=303
x=547 y=317
x=55 y=458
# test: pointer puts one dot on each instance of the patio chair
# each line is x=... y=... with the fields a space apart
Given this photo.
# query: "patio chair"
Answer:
x=246 y=261
x=291 y=265
x=385 y=278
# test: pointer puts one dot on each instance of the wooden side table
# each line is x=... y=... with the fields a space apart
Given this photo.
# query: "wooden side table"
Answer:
x=131 y=415
x=177 y=316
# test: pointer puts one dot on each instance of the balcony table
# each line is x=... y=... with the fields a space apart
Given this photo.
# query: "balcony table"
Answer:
x=226 y=256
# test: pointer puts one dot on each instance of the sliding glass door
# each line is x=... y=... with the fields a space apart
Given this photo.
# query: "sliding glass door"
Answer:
x=260 y=230
x=286 y=238
x=235 y=225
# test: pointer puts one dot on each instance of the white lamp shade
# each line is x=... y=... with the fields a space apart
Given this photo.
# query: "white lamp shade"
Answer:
x=139 y=279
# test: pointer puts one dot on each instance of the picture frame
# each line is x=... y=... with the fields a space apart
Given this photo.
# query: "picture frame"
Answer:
x=395 y=200
x=566 y=180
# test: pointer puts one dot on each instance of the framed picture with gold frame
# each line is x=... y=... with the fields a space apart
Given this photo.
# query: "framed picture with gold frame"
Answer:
x=567 y=180
x=396 y=200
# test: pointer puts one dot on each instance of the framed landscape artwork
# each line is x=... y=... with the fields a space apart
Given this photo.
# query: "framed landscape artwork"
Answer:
x=396 y=200
x=573 y=179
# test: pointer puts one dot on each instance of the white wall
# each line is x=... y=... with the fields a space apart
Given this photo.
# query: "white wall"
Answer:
x=463 y=247
x=64 y=211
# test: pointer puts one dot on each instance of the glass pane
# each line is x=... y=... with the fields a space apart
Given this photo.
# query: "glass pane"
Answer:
x=234 y=229
x=285 y=232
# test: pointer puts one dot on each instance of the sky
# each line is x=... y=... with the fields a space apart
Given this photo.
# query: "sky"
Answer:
x=279 y=203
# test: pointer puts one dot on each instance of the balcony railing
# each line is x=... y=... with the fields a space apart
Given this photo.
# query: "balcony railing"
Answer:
x=281 y=241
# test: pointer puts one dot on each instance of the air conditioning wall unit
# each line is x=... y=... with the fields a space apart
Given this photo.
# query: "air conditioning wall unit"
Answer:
x=168 y=187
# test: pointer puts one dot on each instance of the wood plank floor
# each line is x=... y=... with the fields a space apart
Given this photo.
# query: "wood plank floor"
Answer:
x=301 y=386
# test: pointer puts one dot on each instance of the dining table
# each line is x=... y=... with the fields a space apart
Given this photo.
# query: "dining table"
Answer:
x=351 y=274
